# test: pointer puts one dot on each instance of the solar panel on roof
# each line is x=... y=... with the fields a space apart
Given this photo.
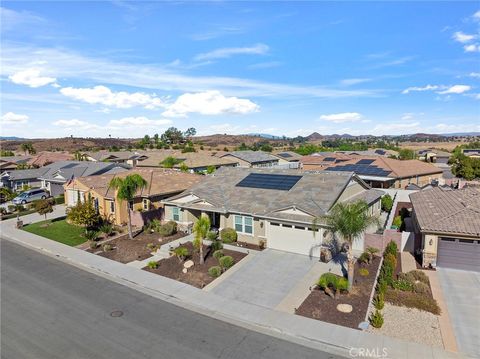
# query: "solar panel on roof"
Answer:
x=70 y=165
x=285 y=154
x=269 y=181
x=380 y=152
x=365 y=162
x=329 y=159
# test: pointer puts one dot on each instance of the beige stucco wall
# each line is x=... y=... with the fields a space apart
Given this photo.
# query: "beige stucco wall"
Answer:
x=351 y=191
x=429 y=250
x=420 y=180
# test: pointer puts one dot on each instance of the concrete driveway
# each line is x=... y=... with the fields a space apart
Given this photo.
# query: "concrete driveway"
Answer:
x=266 y=278
x=461 y=290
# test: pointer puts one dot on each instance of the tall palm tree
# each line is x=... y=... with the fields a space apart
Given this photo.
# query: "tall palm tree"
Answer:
x=201 y=228
x=350 y=220
x=126 y=189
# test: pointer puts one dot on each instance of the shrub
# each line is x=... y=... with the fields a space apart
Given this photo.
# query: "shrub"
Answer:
x=421 y=288
x=390 y=259
x=228 y=235
x=403 y=284
x=153 y=225
x=90 y=235
x=84 y=214
x=215 y=271
x=107 y=247
x=212 y=235
x=397 y=221
x=365 y=258
x=419 y=275
x=363 y=272
x=372 y=250
x=379 y=301
x=226 y=262
x=387 y=203
x=167 y=229
x=181 y=253
x=330 y=280
x=152 y=265
x=376 y=319
x=381 y=285
x=342 y=284
x=387 y=273
x=106 y=228
x=413 y=300
x=218 y=254
x=216 y=245
x=93 y=244
x=151 y=246
x=262 y=244
x=391 y=248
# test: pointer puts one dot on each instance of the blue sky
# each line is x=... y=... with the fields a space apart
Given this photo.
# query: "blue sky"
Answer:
x=285 y=68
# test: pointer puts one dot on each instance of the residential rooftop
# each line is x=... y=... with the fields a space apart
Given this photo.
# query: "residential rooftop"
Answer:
x=252 y=156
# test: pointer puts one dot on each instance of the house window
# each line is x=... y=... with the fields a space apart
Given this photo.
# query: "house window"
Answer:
x=244 y=224
x=176 y=214
x=112 y=207
x=130 y=204
x=145 y=204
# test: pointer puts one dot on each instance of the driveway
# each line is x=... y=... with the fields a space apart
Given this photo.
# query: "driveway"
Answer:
x=461 y=290
x=267 y=278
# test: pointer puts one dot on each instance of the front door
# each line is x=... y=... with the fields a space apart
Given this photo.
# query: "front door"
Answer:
x=214 y=219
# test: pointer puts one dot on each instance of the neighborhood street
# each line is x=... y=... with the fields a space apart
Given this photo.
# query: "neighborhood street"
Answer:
x=54 y=310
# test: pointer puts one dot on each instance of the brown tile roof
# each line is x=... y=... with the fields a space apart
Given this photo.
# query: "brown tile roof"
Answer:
x=190 y=159
x=320 y=159
x=46 y=157
x=453 y=211
x=160 y=182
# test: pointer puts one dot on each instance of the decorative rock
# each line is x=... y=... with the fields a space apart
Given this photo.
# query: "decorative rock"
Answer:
x=184 y=270
x=188 y=264
x=344 y=308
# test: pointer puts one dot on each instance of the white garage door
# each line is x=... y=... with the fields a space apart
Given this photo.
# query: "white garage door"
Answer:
x=459 y=253
x=295 y=239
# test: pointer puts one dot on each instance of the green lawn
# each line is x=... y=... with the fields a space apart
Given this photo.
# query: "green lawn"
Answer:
x=58 y=230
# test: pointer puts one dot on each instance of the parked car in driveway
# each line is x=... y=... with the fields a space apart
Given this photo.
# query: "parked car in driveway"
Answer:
x=30 y=196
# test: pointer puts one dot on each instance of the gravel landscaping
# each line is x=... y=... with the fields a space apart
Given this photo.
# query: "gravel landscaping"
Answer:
x=410 y=324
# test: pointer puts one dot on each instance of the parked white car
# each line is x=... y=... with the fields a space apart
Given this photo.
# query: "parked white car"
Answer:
x=30 y=196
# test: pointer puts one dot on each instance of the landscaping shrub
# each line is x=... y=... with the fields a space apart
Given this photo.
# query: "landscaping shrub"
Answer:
x=152 y=265
x=391 y=248
x=167 y=229
x=153 y=225
x=376 y=319
x=212 y=235
x=403 y=285
x=226 y=262
x=421 y=288
x=218 y=254
x=363 y=272
x=342 y=284
x=215 y=271
x=93 y=244
x=151 y=246
x=216 y=245
x=387 y=203
x=84 y=214
x=364 y=258
x=419 y=275
x=262 y=244
x=228 y=235
x=379 y=301
x=413 y=300
x=90 y=235
x=397 y=221
x=330 y=280
x=181 y=253
x=106 y=228
x=381 y=285
x=107 y=247
x=390 y=259
x=372 y=250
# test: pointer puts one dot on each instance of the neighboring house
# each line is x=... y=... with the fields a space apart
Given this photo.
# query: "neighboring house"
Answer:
x=196 y=162
x=322 y=160
x=253 y=159
x=287 y=157
x=449 y=223
x=278 y=207
x=128 y=157
x=162 y=184
x=53 y=176
x=473 y=153
x=372 y=152
x=433 y=156
x=12 y=162
x=381 y=172
x=46 y=157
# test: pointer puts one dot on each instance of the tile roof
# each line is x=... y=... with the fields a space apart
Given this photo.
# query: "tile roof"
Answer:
x=160 y=181
x=117 y=155
x=451 y=212
x=252 y=156
x=315 y=193
x=287 y=155
x=320 y=158
x=192 y=160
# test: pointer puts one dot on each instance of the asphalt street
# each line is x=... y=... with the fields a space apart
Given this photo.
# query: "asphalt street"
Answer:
x=50 y=309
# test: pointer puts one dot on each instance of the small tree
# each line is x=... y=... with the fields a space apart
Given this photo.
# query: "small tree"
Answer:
x=201 y=229
x=84 y=214
x=126 y=190
x=44 y=206
x=169 y=162
x=210 y=169
x=184 y=167
x=387 y=203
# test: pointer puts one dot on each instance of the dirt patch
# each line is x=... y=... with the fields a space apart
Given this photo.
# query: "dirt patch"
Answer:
x=248 y=246
x=320 y=306
x=126 y=250
x=197 y=275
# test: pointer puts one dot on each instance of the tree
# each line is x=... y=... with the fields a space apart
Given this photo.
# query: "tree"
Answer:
x=6 y=153
x=172 y=135
x=406 y=154
x=27 y=147
x=169 y=162
x=44 y=206
x=84 y=214
x=201 y=229
x=211 y=169
x=184 y=167
x=350 y=221
x=387 y=203
x=156 y=138
x=126 y=189
x=190 y=132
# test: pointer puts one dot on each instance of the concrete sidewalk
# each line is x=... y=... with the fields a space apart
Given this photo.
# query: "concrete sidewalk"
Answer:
x=312 y=333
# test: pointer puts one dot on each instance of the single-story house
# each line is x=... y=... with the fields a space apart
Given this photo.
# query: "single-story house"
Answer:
x=433 y=156
x=162 y=183
x=131 y=158
x=449 y=223
x=382 y=172
x=253 y=159
x=321 y=160
x=286 y=157
x=371 y=152
x=470 y=152
x=275 y=206
x=12 y=162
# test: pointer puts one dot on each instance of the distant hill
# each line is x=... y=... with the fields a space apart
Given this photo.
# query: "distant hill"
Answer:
x=220 y=140
x=10 y=138
x=264 y=135
x=314 y=137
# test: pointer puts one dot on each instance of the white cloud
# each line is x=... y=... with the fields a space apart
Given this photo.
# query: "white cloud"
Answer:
x=472 y=48
x=455 y=89
x=462 y=37
x=424 y=88
x=476 y=16
x=140 y=121
x=11 y=117
x=342 y=117
x=265 y=65
x=104 y=96
x=31 y=77
x=396 y=128
x=474 y=74
x=209 y=103
x=72 y=123
x=226 y=52
x=354 y=81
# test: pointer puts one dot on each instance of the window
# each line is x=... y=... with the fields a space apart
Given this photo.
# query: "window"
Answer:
x=299 y=227
x=131 y=205
x=176 y=214
x=145 y=204
x=274 y=224
x=287 y=225
x=243 y=224
x=112 y=207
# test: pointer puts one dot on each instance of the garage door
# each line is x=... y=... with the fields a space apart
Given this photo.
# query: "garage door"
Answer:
x=295 y=239
x=459 y=253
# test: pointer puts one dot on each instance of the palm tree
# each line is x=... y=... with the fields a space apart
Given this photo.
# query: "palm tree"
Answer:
x=350 y=220
x=126 y=189
x=201 y=229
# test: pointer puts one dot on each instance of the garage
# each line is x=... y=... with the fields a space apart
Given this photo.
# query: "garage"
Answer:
x=459 y=253
x=293 y=238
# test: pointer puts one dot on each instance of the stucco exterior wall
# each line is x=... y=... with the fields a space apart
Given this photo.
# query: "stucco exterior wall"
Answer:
x=429 y=256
